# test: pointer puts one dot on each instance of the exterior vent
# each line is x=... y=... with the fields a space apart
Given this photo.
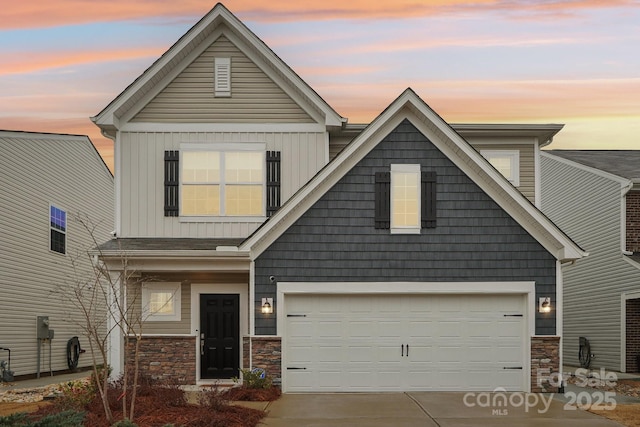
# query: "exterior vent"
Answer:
x=222 y=77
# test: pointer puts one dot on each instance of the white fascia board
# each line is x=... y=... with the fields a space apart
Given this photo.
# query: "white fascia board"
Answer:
x=214 y=255
x=107 y=116
x=332 y=118
x=168 y=78
x=409 y=105
x=622 y=181
x=497 y=187
x=321 y=183
x=289 y=82
x=543 y=133
x=223 y=127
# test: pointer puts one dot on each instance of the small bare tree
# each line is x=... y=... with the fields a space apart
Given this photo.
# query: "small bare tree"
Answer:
x=106 y=296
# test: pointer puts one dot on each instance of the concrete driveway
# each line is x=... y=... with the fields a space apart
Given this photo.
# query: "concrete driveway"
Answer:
x=425 y=409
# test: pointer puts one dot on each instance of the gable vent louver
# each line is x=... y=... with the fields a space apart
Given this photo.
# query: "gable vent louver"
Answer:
x=222 y=76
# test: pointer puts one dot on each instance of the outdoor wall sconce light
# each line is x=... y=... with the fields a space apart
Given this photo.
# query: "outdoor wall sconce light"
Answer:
x=544 y=305
x=267 y=305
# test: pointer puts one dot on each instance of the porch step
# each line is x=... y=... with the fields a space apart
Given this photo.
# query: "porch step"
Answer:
x=193 y=393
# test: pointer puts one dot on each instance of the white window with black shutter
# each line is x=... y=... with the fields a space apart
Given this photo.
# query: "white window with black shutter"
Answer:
x=208 y=181
x=405 y=199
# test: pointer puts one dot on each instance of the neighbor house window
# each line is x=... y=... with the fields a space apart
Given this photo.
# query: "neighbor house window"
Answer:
x=57 y=229
x=507 y=162
x=405 y=198
x=161 y=302
x=222 y=183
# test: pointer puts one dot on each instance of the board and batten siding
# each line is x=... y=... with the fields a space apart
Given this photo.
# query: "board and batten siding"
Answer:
x=38 y=170
x=588 y=207
x=142 y=167
x=336 y=241
x=255 y=97
x=527 y=162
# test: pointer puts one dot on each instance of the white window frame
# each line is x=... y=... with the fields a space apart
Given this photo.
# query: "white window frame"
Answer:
x=222 y=148
x=149 y=288
x=513 y=156
x=406 y=168
x=63 y=232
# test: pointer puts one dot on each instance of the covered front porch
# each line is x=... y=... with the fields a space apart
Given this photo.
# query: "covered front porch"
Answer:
x=188 y=307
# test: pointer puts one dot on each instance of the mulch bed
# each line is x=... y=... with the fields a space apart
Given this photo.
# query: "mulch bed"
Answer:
x=252 y=394
x=157 y=406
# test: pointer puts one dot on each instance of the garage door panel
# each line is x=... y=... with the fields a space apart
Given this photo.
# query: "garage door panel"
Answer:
x=388 y=329
x=456 y=342
x=361 y=329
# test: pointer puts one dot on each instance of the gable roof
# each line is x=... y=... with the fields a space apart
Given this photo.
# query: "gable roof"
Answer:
x=409 y=106
x=25 y=137
x=218 y=21
x=622 y=163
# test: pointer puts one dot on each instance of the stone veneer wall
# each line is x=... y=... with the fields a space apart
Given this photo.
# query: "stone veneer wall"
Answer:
x=545 y=364
x=266 y=353
x=171 y=359
x=632 y=352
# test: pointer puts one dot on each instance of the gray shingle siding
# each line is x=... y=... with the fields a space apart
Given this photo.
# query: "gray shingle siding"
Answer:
x=335 y=240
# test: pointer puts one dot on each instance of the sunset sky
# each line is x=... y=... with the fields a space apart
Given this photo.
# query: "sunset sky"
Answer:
x=575 y=62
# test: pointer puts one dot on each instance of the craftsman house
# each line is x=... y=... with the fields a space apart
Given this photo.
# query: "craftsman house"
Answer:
x=594 y=195
x=406 y=254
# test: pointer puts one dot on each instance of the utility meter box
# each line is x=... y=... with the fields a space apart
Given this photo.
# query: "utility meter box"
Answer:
x=42 y=327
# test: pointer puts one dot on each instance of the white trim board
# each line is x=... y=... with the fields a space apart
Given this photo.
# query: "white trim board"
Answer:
x=197 y=289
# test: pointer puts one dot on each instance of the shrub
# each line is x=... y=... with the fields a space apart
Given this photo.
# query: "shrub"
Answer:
x=62 y=419
x=76 y=394
x=255 y=378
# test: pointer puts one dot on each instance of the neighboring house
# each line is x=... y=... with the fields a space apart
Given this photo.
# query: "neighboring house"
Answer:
x=46 y=180
x=594 y=196
x=271 y=233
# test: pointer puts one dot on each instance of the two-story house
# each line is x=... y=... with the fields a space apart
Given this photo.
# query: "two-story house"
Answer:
x=46 y=182
x=272 y=233
x=594 y=195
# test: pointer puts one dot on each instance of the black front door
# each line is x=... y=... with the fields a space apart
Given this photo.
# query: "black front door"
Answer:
x=219 y=335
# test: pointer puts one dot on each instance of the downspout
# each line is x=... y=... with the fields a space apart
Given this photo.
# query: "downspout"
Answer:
x=623 y=217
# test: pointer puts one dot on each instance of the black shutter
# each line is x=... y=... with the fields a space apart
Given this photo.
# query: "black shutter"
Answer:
x=428 y=213
x=171 y=182
x=273 y=182
x=383 y=200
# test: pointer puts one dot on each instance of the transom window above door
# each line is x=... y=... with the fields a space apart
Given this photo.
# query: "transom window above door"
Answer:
x=222 y=183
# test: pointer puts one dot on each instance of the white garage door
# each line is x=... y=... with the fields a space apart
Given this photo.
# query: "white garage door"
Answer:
x=404 y=342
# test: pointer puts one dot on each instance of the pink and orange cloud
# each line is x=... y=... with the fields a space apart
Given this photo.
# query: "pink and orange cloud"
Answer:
x=18 y=15
x=64 y=58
